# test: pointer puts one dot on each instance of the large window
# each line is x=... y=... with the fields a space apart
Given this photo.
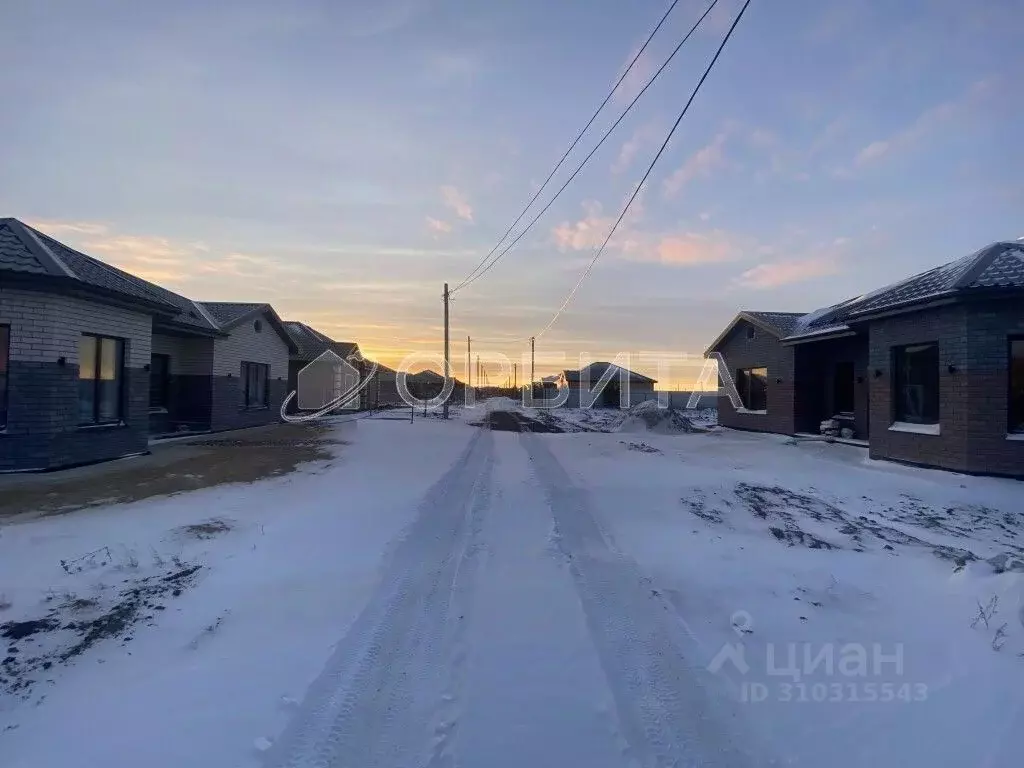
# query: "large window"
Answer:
x=752 y=384
x=100 y=380
x=254 y=385
x=916 y=383
x=1016 y=425
x=5 y=353
x=159 y=381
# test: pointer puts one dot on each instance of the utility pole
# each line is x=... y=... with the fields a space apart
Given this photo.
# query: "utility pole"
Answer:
x=533 y=377
x=469 y=356
x=447 y=360
x=515 y=376
x=479 y=381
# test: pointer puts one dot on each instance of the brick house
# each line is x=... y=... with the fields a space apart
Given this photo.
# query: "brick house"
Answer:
x=94 y=360
x=928 y=371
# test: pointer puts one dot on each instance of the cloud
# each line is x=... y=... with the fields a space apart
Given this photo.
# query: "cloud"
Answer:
x=642 y=136
x=787 y=271
x=57 y=228
x=455 y=200
x=635 y=79
x=684 y=249
x=700 y=164
x=588 y=232
x=931 y=121
x=437 y=226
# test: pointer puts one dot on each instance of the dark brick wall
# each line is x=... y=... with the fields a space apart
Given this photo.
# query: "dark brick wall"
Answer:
x=42 y=425
x=226 y=408
x=815 y=382
x=947 y=326
x=763 y=350
x=989 y=328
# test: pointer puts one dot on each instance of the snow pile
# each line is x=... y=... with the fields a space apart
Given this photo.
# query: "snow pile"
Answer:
x=648 y=417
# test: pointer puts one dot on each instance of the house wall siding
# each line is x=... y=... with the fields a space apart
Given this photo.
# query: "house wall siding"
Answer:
x=244 y=343
x=764 y=350
x=189 y=356
x=42 y=430
x=947 y=326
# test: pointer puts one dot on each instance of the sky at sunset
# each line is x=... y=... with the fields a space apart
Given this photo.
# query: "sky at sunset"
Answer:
x=341 y=160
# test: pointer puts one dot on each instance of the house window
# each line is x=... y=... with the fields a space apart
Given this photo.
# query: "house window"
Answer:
x=254 y=385
x=916 y=383
x=159 y=381
x=100 y=379
x=5 y=352
x=1016 y=409
x=751 y=333
x=842 y=388
x=752 y=384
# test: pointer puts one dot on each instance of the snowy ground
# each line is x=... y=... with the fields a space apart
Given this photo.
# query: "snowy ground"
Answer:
x=438 y=594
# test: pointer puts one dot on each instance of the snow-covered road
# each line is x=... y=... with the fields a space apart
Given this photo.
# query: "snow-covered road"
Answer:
x=440 y=595
x=507 y=632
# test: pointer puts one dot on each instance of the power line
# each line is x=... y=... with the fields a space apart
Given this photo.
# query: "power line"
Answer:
x=572 y=146
x=650 y=168
x=470 y=280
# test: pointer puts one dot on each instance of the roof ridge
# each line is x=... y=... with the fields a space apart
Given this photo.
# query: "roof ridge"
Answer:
x=206 y=315
x=30 y=238
x=982 y=260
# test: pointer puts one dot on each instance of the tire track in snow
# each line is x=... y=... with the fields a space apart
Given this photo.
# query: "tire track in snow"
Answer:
x=669 y=711
x=379 y=700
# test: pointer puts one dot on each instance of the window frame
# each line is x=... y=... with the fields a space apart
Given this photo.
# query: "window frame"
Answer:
x=897 y=360
x=5 y=358
x=121 y=348
x=246 y=366
x=742 y=381
x=1011 y=427
x=165 y=382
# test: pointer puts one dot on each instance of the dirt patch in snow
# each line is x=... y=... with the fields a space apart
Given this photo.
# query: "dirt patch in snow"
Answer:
x=170 y=469
x=799 y=518
x=515 y=421
x=207 y=529
x=75 y=625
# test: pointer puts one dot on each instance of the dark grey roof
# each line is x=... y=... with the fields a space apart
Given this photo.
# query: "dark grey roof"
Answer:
x=1000 y=265
x=595 y=371
x=782 y=323
x=227 y=312
x=311 y=343
x=15 y=254
x=996 y=266
x=103 y=275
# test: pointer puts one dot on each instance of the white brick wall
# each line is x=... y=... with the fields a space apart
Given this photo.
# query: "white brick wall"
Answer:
x=245 y=343
x=189 y=356
x=46 y=326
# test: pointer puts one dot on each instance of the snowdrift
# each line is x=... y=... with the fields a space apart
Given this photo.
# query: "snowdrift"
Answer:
x=648 y=417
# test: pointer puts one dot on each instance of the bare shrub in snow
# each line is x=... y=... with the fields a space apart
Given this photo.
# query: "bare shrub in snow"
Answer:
x=986 y=612
x=207 y=529
x=1000 y=638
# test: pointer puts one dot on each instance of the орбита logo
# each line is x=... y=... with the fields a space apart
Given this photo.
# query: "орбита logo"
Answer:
x=328 y=384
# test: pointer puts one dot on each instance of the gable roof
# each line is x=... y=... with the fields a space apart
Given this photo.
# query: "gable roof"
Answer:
x=27 y=250
x=595 y=371
x=311 y=343
x=999 y=266
x=778 y=324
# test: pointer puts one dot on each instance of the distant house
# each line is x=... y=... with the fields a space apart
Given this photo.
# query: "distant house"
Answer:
x=94 y=360
x=581 y=383
x=928 y=371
